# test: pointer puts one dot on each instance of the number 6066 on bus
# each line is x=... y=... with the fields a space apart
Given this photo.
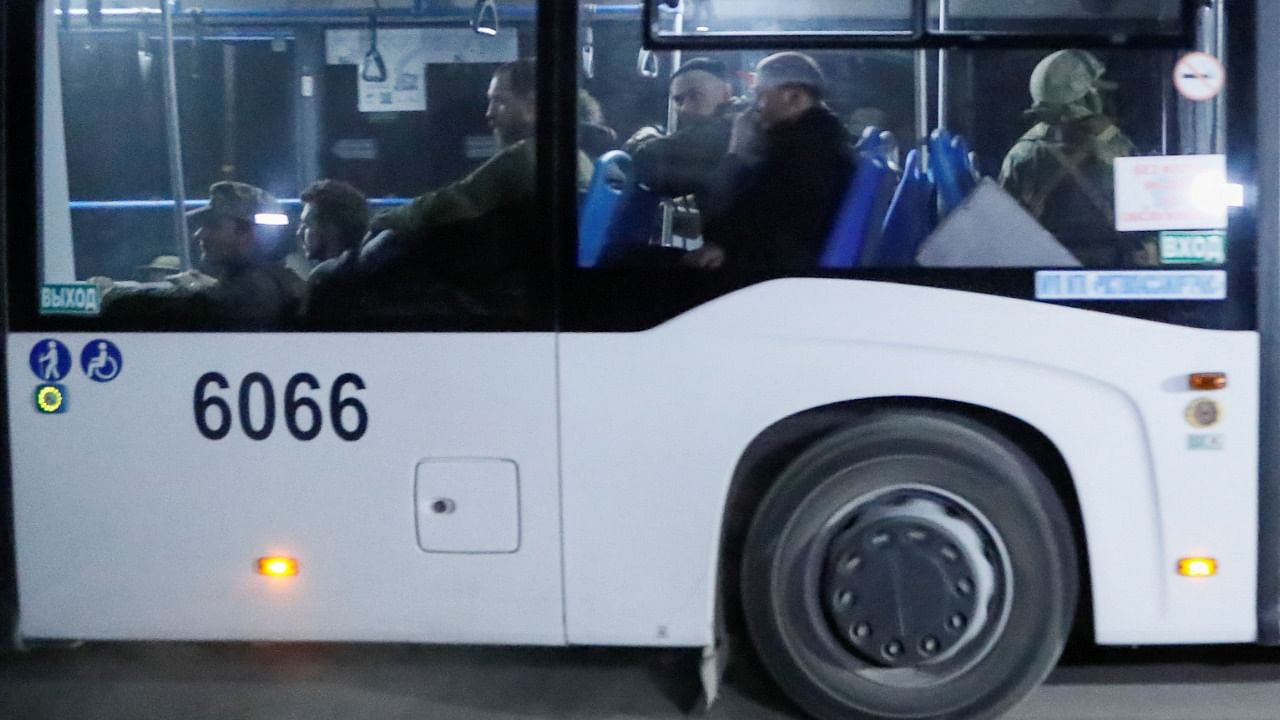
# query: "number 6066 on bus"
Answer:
x=303 y=416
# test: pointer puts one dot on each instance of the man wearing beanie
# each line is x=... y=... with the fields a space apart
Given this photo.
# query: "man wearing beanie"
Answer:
x=789 y=164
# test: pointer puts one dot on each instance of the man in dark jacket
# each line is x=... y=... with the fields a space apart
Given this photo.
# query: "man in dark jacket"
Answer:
x=334 y=220
x=682 y=163
x=781 y=185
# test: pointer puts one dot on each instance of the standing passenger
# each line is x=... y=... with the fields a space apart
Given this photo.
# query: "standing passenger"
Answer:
x=1063 y=169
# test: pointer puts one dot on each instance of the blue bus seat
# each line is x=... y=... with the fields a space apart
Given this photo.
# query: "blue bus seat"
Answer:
x=861 y=214
x=882 y=145
x=911 y=217
x=871 y=143
x=634 y=222
x=609 y=183
x=963 y=160
x=943 y=170
x=951 y=167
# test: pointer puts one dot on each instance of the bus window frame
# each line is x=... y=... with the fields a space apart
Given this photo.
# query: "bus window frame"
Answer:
x=920 y=37
x=17 y=183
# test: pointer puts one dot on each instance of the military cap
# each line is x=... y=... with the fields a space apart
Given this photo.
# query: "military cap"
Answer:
x=164 y=263
x=238 y=201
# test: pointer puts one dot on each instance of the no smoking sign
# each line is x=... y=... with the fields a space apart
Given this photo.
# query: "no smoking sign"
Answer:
x=1199 y=76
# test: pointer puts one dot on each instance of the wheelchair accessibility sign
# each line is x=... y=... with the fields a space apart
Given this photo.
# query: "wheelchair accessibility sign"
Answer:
x=101 y=361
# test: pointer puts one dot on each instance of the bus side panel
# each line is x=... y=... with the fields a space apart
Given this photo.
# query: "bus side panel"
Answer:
x=654 y=424
x=132 y=524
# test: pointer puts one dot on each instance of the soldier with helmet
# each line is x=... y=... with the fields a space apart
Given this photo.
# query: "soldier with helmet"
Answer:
x=1062 y=170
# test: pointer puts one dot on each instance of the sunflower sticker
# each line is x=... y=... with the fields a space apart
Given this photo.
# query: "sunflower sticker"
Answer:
x=51 y=399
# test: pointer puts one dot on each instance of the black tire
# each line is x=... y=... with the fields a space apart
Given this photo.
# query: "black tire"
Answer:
x=905 y=517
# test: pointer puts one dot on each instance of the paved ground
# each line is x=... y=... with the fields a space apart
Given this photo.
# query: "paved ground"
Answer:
x=173 y=681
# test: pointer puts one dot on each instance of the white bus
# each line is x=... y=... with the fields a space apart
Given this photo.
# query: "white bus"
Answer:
x=900 y=465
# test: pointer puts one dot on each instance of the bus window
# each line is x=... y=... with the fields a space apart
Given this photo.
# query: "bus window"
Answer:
x=1060 y=153
x=785 y=162
x=896 y=20
x=1058 y=17
x=769 y=17
x=349 y=171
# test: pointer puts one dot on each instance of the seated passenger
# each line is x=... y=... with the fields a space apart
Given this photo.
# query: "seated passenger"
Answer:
x=683 y=162
x=334 y=220
x=1063 y=169
x=477 y=234
x=245 y=288
x=595 y=138
x=160 y=269
x=781 y=185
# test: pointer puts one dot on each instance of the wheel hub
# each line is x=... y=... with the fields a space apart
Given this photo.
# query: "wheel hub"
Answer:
x=908 y=583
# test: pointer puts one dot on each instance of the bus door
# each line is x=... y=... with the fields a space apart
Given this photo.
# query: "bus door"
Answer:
x=201 y=448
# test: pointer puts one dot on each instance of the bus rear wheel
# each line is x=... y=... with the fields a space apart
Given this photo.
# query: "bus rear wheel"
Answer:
x=913 y=566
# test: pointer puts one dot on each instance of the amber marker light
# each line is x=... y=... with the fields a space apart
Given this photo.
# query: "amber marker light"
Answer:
x=277 y=566
x=1197 y=567
x=1208 y=381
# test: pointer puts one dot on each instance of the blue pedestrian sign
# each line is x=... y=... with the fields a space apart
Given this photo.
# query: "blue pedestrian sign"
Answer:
x=50 y=360
x=101 y=360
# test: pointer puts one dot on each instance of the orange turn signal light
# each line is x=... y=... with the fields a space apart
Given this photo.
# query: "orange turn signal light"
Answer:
x=1208 y=381
x=1197 y=567
x=278 y=566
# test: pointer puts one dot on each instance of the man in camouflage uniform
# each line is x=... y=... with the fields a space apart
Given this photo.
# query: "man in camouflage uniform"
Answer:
x=1062 y=170
x=247 y=288
x=475 y=240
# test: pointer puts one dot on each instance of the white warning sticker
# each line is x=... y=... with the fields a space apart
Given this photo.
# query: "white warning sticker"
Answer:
x=1181 y=192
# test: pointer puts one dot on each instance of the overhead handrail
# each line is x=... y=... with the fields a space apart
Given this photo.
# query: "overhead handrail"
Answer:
x=647 y=64
x=195 y=204
x=522 y=11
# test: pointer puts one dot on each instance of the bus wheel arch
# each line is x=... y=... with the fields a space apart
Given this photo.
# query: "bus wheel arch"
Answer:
x=775 y=449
